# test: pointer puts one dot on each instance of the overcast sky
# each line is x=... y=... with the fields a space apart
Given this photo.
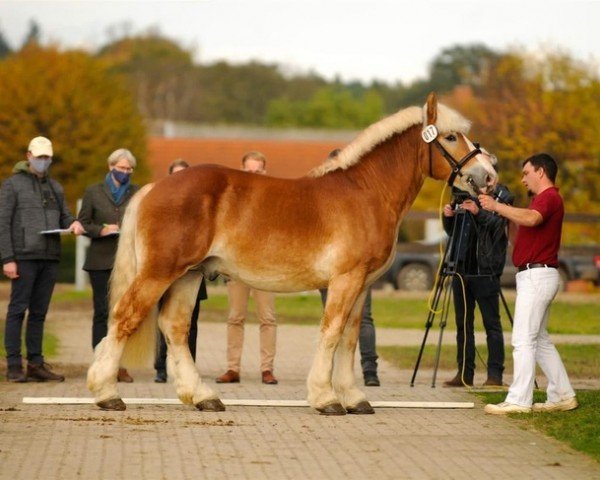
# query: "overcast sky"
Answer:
x=368 y=39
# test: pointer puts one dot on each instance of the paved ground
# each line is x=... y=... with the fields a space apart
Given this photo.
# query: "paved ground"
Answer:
x=164 y=442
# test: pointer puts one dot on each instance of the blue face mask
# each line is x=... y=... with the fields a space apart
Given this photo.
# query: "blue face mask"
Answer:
x=121 y=177
x=40 y=165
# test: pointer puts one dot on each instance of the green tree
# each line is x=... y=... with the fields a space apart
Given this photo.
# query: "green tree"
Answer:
x=70 y=98
x=329 y=107
x=158 y=71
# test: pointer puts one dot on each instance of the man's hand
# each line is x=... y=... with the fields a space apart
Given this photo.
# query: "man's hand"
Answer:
x=448 y=210
x=10 y=270
x=470 y=206
x=487 y=202
x=76 y=228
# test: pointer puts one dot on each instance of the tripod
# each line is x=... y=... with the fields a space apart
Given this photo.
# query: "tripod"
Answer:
x=448 y=270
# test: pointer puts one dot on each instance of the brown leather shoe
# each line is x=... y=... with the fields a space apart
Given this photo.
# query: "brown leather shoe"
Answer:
x=268 y=378
x=123 y=376
x=229 y=377
x=40 y=372
x=457 y=381
x=493 y=382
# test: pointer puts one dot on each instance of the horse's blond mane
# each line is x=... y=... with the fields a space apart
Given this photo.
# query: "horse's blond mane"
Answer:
x=447 y=120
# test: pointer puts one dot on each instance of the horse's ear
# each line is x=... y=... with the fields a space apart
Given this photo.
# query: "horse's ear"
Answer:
x=431 y=108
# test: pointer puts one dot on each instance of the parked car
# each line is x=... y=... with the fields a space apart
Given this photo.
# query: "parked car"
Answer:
x=416 y=265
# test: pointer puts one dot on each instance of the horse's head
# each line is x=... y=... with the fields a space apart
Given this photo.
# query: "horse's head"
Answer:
x=451 y=155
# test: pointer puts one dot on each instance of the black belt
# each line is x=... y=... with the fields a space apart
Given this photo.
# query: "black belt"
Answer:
x=535 y=265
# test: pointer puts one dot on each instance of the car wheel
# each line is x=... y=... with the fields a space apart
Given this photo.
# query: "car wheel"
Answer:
x=414 y=277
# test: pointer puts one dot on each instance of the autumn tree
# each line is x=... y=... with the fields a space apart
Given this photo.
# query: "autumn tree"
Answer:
x=537 y=104
x=70 y=98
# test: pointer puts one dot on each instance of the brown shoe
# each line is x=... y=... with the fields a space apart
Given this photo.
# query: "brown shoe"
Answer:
x=40 y=372
x=123 y=376
x=493 y=382
x=229 y=377
x=457 y=381
x=268 y=378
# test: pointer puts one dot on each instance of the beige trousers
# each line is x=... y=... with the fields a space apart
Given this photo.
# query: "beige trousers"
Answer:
x=238 y=309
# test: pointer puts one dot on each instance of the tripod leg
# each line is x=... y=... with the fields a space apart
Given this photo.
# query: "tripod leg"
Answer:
x=443 y=323
x=428 y=324
x=505 y=303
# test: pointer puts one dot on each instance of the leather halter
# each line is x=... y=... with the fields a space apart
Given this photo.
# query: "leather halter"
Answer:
x=429 y=135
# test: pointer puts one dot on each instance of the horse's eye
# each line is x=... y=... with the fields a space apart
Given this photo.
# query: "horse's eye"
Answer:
x=451 y=137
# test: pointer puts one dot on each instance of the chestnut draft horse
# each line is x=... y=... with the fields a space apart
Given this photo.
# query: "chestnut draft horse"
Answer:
x=335 y=228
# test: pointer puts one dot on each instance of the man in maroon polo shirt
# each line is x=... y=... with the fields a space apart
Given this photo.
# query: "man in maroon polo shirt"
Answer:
x=536 y=257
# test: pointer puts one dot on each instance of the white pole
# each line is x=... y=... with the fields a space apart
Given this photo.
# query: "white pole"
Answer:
x=81 y=245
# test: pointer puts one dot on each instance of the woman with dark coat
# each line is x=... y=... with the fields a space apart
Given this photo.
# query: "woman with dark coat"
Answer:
x=101 y=215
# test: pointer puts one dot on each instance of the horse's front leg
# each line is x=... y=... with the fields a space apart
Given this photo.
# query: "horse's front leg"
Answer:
x=341 y=297
x=174 y=321
x=344 y=380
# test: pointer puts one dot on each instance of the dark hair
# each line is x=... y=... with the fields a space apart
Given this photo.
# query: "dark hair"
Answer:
x=546 y=162
x=180 y=162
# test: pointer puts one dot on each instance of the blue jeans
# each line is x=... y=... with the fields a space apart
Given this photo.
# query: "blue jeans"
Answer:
x=366 y=337
x=31 y=292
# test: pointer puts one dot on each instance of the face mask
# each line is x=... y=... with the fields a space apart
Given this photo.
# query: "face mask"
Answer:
x=121 y=177
x=40 y=166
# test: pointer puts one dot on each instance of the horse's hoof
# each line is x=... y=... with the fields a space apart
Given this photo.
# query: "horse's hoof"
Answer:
x=112 y=404
x=212 y=405
x=332 y=409
x=361 y=408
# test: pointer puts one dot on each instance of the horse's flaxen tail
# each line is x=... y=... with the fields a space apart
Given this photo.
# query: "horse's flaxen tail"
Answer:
x=142 y=343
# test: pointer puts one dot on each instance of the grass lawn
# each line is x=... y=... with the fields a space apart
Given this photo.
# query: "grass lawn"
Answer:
x=578 y=428
x=581 y=360
x=394 y=312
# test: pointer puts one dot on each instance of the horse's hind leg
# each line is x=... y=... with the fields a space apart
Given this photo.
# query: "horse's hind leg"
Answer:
x=344 y=380
x=174 y=321
x=131 y=310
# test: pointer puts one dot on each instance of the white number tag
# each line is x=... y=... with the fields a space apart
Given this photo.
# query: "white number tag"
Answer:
x=429 y=133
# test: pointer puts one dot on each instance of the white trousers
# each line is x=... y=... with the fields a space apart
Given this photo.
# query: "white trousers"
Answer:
x=536 y=288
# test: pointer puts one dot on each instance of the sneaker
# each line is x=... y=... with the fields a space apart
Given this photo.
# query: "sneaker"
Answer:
x=16 y=375
x=504 y=408
x=457 y=381
x=268 y=378
x=161 y=377
x=123 y=376
x=229 y=377
x=371 y=380
x=561 y=406
x=41 y=372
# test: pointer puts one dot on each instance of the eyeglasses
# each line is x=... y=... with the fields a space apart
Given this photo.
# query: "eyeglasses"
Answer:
x=123 y=169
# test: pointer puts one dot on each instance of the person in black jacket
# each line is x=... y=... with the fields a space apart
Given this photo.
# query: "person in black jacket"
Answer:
x=31 y=203
x=101 y=214
x=480 y=255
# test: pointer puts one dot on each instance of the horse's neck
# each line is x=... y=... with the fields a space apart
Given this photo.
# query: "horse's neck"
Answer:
x=392 y=170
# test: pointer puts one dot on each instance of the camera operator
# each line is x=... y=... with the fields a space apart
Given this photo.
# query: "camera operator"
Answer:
x=480 y=252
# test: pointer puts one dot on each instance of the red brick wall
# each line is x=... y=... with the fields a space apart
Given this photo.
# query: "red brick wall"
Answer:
x=287 y=159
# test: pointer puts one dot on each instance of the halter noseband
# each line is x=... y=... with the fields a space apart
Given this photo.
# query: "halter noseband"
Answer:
x=429 y=135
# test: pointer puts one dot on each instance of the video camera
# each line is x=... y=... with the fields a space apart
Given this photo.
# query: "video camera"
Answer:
x=458 y=197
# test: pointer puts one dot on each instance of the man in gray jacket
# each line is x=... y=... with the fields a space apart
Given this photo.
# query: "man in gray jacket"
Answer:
x=30 y=203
